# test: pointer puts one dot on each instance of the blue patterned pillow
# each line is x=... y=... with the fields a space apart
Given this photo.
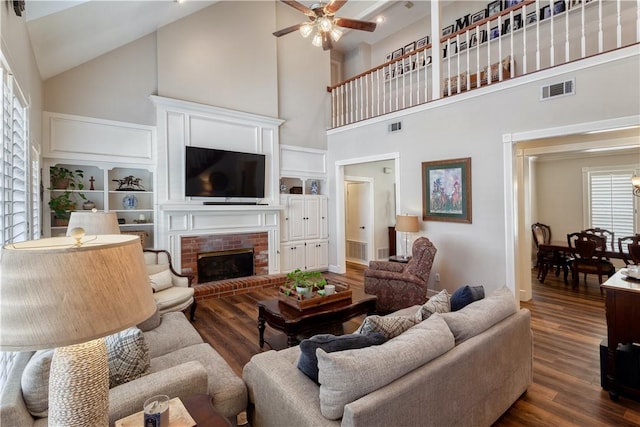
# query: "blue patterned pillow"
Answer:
x=466 y=295
x=308 y=361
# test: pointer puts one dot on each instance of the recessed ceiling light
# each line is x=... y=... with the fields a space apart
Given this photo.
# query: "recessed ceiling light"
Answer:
x=380 y=19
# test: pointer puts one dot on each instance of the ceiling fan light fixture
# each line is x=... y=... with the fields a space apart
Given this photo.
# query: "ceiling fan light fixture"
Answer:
x=317 y=40
x=306 y=29
x=336 y=34
x=326 y=24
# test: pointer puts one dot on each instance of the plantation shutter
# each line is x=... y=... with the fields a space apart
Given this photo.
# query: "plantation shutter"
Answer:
x=612 y=201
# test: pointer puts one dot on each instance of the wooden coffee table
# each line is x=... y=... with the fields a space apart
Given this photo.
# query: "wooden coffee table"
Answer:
x=203 y=413
x=321 y=319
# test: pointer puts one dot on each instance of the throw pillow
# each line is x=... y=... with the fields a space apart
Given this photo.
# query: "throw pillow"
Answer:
x=128 y=356
x=466 y=295
x=161 y=280
x=35 y=383
x=389 y=326
x=439 y=303
x=308 y=361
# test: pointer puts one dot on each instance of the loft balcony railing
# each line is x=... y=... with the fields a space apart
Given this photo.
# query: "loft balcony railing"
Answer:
x=529 y=36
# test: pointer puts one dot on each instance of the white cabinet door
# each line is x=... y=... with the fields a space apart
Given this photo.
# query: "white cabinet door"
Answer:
x=292 y=256
x=296 y=215
x=317 y=254
x=284 y=220
x=312 y=217
x=324 y=217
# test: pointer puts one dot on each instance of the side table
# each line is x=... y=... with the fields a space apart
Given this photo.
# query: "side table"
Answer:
x=203 y=413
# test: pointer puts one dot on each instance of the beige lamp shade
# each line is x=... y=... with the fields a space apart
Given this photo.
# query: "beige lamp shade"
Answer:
x=55 y=293
x=94 y=222
x=407 y=223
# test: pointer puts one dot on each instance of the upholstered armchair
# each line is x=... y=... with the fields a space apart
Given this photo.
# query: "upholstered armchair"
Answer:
x=401 y=285
x=172 y=291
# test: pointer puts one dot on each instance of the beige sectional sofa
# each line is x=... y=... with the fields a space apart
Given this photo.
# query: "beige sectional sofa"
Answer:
x=460 y=368
x=181 y=365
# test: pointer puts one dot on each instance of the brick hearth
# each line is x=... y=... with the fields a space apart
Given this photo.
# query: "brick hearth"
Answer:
x=191 y=246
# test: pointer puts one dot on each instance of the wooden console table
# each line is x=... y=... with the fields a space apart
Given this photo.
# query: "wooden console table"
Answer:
x=623 y=326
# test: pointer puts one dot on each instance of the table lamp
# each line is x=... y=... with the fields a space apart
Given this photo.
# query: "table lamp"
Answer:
x=68 y=293
x=407 y=224
x=94 y=222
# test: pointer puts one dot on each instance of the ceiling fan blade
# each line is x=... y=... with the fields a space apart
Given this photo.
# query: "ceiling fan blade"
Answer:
x=326 y=42
x=299 y=6
x=355 y=24
x=333 y=7
x=287 y=30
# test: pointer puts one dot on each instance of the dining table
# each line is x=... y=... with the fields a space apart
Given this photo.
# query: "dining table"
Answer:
x=562 y=247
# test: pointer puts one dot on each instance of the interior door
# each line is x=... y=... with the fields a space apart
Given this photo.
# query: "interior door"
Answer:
x=358 y=221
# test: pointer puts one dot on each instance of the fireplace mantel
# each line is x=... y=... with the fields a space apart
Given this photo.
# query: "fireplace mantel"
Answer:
x=198 y=207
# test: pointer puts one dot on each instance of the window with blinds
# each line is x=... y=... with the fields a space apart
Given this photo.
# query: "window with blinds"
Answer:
x=611 y=201
x=19 y=193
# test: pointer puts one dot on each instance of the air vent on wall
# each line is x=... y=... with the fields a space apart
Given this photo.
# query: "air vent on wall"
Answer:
x=395 y=127
x=558 y=89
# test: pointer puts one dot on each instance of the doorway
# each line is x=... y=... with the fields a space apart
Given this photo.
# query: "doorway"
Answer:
x=381 y=172
x=521 y=150
x=359 y=223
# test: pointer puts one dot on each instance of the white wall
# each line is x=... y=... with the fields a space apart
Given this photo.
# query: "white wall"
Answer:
x=473 y=125
x=17 y=51
x=559 y=191
x=223 y=56
x=114 y=86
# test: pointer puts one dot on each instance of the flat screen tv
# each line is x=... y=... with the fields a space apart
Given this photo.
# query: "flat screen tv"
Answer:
x=219 y=173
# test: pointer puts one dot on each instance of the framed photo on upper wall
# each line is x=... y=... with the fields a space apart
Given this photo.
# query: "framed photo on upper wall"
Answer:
x=446 y=190
x=494 y=7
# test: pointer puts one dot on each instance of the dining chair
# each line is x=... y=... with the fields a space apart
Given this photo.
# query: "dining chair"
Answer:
x=548 y=259
x=629 y=246
x=588 y=257
x=609 y=236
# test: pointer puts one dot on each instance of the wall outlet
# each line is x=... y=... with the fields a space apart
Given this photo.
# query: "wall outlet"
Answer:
x=437 y=277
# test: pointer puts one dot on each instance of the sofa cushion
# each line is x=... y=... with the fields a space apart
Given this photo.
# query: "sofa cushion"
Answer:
x=346 y=376
x=128 y=356
x=439 y=303
x=35 y=383
x=465 y=295
x=390 y=326
x=173 y=333
x=479 y=316
x=160 y=280
x=308 y=361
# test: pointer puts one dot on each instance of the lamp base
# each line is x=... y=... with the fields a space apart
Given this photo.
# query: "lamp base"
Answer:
x=79 y=385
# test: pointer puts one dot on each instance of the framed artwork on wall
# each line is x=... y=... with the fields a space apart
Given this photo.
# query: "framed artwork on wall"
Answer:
x=446 y=190
x=494 y=7
x=447 y=30
x=478 y=16
x=422 y=42
x=409 y=48
x=396 y=53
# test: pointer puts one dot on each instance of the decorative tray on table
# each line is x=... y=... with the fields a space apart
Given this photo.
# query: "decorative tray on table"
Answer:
x=293 y=299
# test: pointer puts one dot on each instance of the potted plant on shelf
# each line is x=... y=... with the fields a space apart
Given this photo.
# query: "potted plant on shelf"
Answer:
x=303 y=282
x=61 y=204
x=63 y=178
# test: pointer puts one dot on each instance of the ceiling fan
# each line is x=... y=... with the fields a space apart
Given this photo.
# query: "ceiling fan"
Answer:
x=322 y=19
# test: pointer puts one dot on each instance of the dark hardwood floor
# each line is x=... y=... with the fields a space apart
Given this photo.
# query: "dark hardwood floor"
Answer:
x=568 y=326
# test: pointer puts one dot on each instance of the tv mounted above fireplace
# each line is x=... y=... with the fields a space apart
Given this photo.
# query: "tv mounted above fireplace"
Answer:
x=210 y=172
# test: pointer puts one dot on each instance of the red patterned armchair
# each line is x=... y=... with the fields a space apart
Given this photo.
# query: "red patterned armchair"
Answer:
x=401 y=285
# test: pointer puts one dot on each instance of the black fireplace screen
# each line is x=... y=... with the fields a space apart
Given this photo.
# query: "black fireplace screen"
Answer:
x=220 y=265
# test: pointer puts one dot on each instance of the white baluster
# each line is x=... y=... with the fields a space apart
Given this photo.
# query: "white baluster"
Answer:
x=600 y=32
x=552 y=50
x=638 y=21
x=619 y=26
x=478 y=43
x=538 y=36
x=524 y=39
x=583 y=36
x=488 y=74
x=567 y=55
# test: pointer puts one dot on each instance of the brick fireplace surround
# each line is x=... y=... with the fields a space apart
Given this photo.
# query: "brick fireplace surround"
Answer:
x=191 y=246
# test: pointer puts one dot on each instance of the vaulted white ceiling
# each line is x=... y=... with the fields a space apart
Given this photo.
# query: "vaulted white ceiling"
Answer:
x=65 y=34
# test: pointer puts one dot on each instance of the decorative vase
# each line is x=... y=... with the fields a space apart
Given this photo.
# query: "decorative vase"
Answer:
x=314 y=187
x=304 y=292
x=129 y=201
x=60 y=183
x=88 y=205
